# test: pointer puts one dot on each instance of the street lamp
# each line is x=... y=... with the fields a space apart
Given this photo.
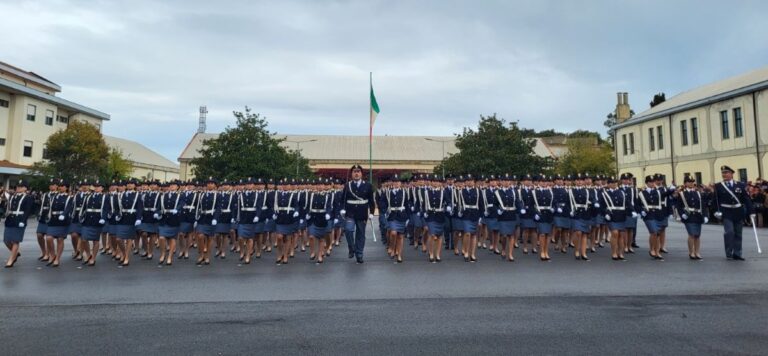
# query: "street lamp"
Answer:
x=298 y=149
x=442 y=142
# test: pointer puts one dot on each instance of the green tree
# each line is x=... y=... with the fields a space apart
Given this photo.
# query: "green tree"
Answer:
x=77 y=152
x=585 y=157
x=658 y=99
x=118 y=167
x=248 y=149
x=495 y=148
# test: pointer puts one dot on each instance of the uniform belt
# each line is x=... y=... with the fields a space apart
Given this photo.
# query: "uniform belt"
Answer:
x=226 y=211
x=78 y=209
x=150 y=209
x=209 y=212
x=489 y=206
x=284 y=209
x=357 y=202
x=693 y=210
x=397 y=209
x=509 y=209
x=731 y=205
x=620 y=208
x=129 y=211
x=546 y=208
x=581 y=205
x=247 y=209
x=189 y=207
x=57 y=212
x=316 y=210
x=17 y=213
x=436 y=210
x=470 y=206
x=92 y=210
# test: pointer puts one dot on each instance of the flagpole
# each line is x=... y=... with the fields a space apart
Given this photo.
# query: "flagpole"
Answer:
x=370 y=130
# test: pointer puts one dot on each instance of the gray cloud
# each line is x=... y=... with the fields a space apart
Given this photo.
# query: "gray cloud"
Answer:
x=437 y=65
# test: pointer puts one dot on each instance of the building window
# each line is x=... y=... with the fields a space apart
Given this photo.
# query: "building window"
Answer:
x=743 y=174
x=49 y=117
x=651 y=139
x=31 y=111
x=62 y=119
x=4 y=103
x=694 y=131
x=45 y=152
x=632 y=143
x=624 y=143
x=27 y=148
x=2 y=141
x=698 y=177
x=660 y=132
x=738 y=125
x=724 y=125
x=684 y=132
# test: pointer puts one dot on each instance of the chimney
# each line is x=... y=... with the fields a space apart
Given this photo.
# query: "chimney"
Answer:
x=622 y=107
x=201 y=122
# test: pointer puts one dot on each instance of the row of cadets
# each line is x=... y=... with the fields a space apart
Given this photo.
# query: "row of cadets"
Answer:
x=16 y=216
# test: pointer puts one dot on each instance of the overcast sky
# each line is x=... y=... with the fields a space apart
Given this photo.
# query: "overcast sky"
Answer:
x=437 y=65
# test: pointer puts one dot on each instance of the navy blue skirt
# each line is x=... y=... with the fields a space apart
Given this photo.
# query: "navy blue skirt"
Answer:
x=693 y=229
x=207 y=230
x=246 y=231
x=13 y=235
x=397 y=226
x=562 y=222
x=527 y=223
x=57 y=231
x=631 y=223
x=150 y=228
x=105 y=229
x=270 y=226
x=417 y=221
x=317 y=231
x=493 y=223
x=125 y=232
x=581 y=225
x=91 y=233
x=544 y=227
x=617 y=225
x=435 y=228
x=507 y=228
x=470 y=226
x=286 y=229
x=41 y=228
x=600 y=219
x=664 y=222
x=653 y=225
x=169 y=232
x=75 y=228
x=223 y=228
x=458 y=224
x=186 y=227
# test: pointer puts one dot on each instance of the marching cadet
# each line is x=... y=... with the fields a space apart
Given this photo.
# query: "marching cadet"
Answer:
x=450 y=181
x=600 y=223
x=170 y=220
x=227 y=206
x=187 y=219
x=247 y=218
x=652 y=211
x=437 y=206
x=42 y=221
x=285 y=212
x=93 y=217
x=490 y=213
x=692 y=206
x=616 y=208
x=318 y=217
x=302 y=237
x=562 y=220
x=527 y=224
x=75 y=227
x=59 y=218
x=456 y=220
x=630 y=191
x=581 y=205
x=733 y=205
x=338 y=220
x=667 y=203
x=508 y=204
x=359 y=206
x=379 y=195
x=269 y=223
x=263 y=215
x=115 y=189
x=150 y=198
x=543 y=203
x=394 y=207
x=208 y=211
x=594 y=210
x=130 y=209
x=470 y=213
x=19 y=209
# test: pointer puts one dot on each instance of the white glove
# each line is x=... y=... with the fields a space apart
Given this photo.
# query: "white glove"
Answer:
x=194 y=224
x=522 y=211
x=343 y=212
x=335 y=221
x=156 y=216
x=274 y=216
x=608 y=217
x=572 y=214
x=706 y=219
x=448 y=209
x=232 y=221
x=597 y=205
x=643 y=213
x=634 y=214
x=671 y=187
x=559 y=210
x=174 y=211
x=117 y=218
x=21 y=224
x=718 y=215
x=137 y=223
x=479 y=220
x=752 y=216
x=684 y=216
x=327 y=217
x=214 y=222
x=295 y=214
x=306 y=217
x=407 y=221
x=486 y=213
x=370 y=216
x=61 y=218
x=101 y=221
x=425 y=215
x=499 y=211
x=536 y=217
x=255 y=219
x=460 y=214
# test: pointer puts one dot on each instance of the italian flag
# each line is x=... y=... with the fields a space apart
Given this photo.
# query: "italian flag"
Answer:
x=374 y=107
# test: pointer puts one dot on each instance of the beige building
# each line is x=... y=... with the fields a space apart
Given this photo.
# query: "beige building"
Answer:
x=334 y=154
x=147 y=164
x=697 y=131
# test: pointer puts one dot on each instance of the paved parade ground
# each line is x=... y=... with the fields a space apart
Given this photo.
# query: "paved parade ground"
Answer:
x=640 y=306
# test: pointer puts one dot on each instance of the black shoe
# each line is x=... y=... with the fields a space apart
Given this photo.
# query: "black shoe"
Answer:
x=664 y=250
x=584 y=258
x=634 y=245
x=360 y=260
x=738 y=258
x=351 y=254
x=692 y=257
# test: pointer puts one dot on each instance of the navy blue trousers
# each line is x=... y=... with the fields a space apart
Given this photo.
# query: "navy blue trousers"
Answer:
x=355 y=234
